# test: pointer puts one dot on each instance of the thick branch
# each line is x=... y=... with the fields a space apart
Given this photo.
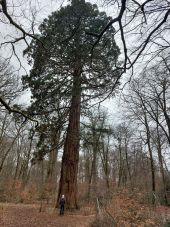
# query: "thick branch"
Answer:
x=117 y=19
x=7 y=107
x=5 y=11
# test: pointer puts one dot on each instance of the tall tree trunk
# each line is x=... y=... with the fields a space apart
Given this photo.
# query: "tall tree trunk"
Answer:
x=10 y=148
x=159 y=149
x=120 y=164
x=94 y=165
x=3 y=127
x=164 y=107
x=69 y=167
x=104 y=154
x=51 y=169
x=87 y=165
x=151 y=156
x=24 y=172
x=127 y=163
x=106 y=168
x=18 y=160
x=93 y=174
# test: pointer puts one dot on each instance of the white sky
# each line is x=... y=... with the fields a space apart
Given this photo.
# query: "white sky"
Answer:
x=8 y=32
x=23 y=13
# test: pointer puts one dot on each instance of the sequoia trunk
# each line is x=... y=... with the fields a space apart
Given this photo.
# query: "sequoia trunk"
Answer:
x=69 y=168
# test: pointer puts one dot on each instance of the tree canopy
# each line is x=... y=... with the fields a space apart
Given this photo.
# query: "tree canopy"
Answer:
x=67 y=46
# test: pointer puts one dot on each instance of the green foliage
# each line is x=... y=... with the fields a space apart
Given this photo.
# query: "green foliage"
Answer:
x=67 y=48
x=65 y=51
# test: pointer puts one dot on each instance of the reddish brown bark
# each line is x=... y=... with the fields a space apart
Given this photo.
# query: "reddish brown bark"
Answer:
x=69 y=168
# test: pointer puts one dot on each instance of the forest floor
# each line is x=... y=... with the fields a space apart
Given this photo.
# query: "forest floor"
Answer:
x=121 y=210
x=21 y=215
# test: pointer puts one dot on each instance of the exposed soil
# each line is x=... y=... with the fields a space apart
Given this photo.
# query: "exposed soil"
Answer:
x=20 y=215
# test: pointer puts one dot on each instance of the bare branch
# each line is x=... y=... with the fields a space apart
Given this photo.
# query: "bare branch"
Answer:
x=149 y=36
x=5 y=11
x=7 y=107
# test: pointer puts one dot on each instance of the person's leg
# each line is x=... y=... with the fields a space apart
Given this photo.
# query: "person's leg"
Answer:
x=60 y=209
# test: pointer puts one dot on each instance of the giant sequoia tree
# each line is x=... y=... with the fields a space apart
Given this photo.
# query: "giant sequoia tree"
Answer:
x=65 y=70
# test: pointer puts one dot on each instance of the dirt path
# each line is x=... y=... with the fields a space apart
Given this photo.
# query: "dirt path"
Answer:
x=12 y=215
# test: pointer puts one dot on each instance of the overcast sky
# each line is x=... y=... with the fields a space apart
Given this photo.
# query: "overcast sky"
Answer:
x=23 y=12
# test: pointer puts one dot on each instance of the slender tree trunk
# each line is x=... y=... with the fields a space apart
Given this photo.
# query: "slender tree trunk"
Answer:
x=104 y=154
x=24 y=172
x=106 y=162
x=127 y=162
x=93 y=173
x=18 y=160
x=161 y=164
x=94 y=168
x=51 y=171
x=120 y=164
x=166 y=168
x=164 y=105
x=51 y=165
x=87 y=165
x=134 y=173
x=69 y=167
x=90 y=178
x=10 y=148
x=41 y=165
x=4 y=126
x=151 y=156
x=106 y=169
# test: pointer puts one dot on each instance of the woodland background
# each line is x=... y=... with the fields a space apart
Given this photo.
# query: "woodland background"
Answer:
x=124 y=134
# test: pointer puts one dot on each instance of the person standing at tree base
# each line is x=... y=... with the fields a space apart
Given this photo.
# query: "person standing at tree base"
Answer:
x=62 y=204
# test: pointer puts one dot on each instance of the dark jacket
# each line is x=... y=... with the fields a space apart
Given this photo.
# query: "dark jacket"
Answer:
x=62 y=201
